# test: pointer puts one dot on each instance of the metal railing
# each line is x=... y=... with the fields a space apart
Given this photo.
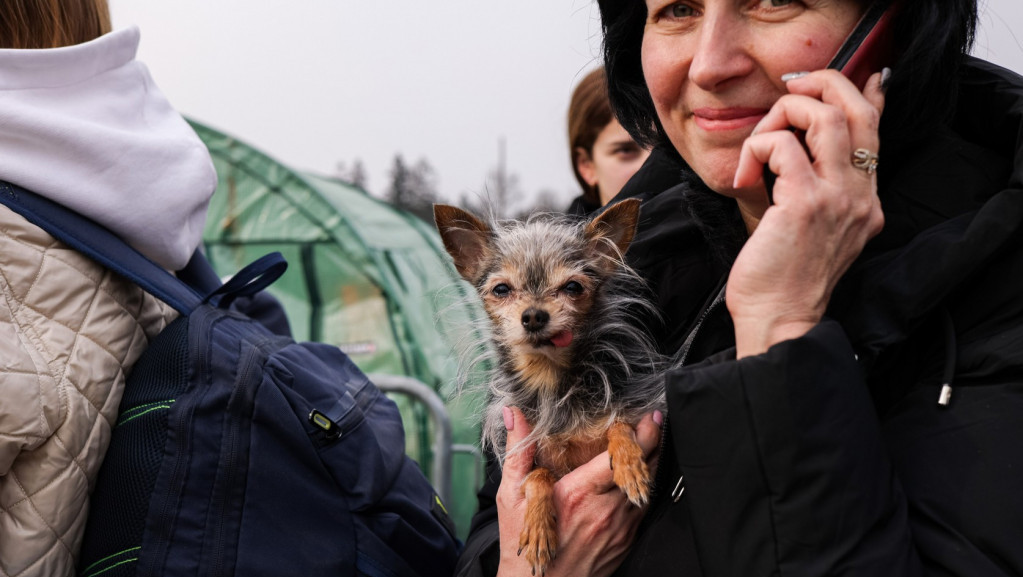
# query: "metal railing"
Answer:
x=443 y=447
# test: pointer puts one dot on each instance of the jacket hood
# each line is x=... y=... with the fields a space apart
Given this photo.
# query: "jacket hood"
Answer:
x=85 y=126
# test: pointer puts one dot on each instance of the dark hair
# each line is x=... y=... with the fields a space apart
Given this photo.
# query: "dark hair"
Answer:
x=623 y=22
x=51 y=23
x=932 y=38
x=589 y=112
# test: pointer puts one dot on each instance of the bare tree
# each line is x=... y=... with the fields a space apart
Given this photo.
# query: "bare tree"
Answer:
x=413 y=188
x=503 y=188
x=355 y=174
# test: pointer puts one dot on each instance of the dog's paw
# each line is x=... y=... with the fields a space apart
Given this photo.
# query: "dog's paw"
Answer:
x=628 y=468
x=633 y=478
x=539 y=538
x=539 y=542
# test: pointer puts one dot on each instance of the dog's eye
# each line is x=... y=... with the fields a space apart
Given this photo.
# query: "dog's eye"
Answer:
x=501 y=290
x=573 y=288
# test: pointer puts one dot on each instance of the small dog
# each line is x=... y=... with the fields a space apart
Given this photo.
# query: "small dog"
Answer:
x=570 y=352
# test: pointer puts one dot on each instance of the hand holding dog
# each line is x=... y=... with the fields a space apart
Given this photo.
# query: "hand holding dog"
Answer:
x=596 y=523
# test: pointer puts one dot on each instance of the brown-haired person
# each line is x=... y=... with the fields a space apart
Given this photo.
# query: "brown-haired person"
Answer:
x=604 y=156
x=82 y=124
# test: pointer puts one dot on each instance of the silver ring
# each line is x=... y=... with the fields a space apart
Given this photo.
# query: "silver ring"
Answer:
x=865 y=160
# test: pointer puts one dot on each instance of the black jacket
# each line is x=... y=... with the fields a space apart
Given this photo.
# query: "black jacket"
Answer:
x=829 y=454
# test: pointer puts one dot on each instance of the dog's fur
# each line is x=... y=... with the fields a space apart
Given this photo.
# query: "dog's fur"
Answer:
x=572 y=353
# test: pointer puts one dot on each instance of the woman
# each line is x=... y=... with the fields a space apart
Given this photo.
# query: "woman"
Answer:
x=604 y=156
x=809 y=432
x=83 y=125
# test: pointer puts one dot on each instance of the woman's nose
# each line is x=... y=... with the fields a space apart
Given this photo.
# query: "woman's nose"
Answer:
x=722 y=51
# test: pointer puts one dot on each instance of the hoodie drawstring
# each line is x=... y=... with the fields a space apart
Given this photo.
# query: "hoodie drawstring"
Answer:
x=950 y=360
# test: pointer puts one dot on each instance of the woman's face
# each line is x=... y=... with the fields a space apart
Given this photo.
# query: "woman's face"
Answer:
x=714 y=67
x=615 y=157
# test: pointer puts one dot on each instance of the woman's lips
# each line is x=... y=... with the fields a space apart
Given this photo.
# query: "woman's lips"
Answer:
x=721 y=119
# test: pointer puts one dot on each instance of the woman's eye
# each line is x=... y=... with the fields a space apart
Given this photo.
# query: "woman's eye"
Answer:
x=680 y=11
x=778 y=3
x=573 y=288
x=501 y=290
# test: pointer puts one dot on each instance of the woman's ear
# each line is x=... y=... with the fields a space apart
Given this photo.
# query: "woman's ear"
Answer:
x=584 y=164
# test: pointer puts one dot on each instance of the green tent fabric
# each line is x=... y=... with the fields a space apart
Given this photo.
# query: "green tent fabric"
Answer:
x=362 y=275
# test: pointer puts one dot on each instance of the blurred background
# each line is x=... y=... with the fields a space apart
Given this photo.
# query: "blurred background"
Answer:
x=468 y=96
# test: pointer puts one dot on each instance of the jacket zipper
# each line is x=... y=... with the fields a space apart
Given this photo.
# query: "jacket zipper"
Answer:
x=680 y=487
x=691 y=338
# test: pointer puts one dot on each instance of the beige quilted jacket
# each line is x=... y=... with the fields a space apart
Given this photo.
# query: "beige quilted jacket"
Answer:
x=69 y=332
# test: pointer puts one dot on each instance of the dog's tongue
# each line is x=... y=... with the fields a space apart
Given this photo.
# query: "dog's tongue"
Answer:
x=562 y=339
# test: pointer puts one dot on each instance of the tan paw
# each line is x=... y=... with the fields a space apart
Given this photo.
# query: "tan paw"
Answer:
x=539 y=541
x=633 y=479
x=629 y=469
x=539 y=538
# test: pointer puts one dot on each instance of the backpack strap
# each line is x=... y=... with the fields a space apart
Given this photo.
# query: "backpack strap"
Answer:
x=103 y=246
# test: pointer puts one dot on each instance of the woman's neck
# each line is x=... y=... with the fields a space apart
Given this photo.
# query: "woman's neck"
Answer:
x=751 y=213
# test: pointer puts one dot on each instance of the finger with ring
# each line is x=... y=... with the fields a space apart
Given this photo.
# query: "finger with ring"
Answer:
x=865 y=160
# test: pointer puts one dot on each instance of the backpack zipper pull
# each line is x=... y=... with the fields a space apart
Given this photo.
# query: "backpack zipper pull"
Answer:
x=330 y=429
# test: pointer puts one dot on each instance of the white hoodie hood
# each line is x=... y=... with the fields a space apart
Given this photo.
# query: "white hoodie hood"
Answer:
x=85 y=126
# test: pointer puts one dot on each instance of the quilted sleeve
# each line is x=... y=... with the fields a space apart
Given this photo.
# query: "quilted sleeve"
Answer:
x=30 y=403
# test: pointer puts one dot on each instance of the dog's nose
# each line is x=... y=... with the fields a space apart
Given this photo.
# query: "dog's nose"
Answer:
x=535 y=319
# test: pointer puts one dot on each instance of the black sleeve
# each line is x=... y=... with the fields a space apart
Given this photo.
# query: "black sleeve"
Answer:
x=482 y=552
x=786 y=470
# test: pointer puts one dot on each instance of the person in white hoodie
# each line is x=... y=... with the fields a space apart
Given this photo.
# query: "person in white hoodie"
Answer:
x=82 y=124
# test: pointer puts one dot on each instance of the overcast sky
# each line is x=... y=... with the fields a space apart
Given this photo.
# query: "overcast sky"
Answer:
x=317 y=82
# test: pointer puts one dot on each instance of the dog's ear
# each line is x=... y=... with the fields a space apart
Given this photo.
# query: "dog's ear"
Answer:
x=465 y=237
x=611 y=232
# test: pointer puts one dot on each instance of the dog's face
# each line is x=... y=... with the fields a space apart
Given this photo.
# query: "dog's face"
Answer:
x=538 y=281
x=538 y=297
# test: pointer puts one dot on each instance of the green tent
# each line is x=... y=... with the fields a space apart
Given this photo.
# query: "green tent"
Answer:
x=364 y=276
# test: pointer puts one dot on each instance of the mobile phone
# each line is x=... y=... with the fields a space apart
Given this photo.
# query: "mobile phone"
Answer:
x=867 y=49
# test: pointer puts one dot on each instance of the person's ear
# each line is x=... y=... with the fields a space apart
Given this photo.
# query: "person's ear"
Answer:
x=584 y=164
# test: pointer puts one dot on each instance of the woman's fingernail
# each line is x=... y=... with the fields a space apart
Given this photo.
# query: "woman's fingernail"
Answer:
x=509 y=419
x=793 y=76
x=886 y=76
x=659 y=417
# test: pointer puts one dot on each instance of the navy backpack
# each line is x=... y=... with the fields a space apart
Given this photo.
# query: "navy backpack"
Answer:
x=240 y=452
